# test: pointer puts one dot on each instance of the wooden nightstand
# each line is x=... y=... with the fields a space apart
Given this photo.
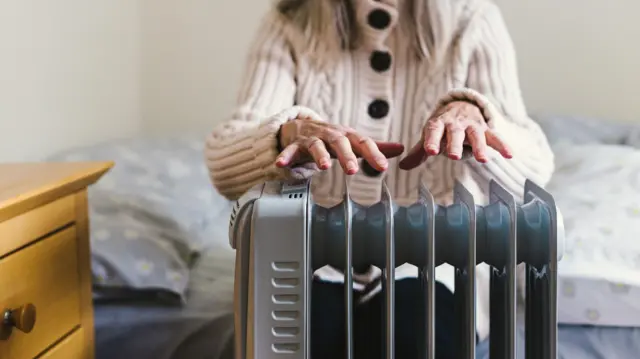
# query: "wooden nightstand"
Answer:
x=45 y=269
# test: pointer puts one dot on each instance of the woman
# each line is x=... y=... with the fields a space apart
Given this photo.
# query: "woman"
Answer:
x=364 y=78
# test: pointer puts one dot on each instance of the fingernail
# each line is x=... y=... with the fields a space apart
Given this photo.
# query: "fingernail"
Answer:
x=324 y=164
x=432 y=149
x=352 y=167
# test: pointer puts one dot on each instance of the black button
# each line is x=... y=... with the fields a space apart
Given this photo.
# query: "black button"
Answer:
x=379 y=19
x=380 y=60
x=368 y=170
x=378 y=109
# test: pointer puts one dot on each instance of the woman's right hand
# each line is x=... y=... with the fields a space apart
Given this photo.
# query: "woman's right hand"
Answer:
x=305 y=139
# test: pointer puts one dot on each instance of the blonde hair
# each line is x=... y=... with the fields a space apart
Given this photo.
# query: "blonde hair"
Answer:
x=329 y=26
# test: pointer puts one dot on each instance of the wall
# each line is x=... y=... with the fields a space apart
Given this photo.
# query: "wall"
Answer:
x=578 y=56
x=68 y=74
x=193 y=55
x=575 y=57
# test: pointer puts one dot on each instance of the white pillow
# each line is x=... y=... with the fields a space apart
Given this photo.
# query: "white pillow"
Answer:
x=597 y=188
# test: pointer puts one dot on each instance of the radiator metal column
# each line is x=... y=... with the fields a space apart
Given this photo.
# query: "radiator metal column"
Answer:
x=429 y=271
x=502 y=247
x=542 y=271
x=465 y=282
x=348 y=271
x=389 y=272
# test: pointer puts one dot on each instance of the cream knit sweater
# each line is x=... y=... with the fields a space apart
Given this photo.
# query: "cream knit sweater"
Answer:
x=384 y=91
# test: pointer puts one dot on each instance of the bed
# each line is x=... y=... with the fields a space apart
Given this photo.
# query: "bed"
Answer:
x=161 y=262
x=163 y=270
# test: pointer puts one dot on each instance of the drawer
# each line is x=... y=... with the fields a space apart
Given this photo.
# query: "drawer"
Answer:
x=71 y=347
x=44 y=274
x=29 y=226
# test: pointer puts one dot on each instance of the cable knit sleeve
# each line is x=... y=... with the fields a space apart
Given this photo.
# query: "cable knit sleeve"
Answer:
x=493 y=84
x=241 y=151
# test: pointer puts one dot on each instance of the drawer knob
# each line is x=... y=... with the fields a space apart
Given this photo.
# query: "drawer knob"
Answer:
x=23 y=318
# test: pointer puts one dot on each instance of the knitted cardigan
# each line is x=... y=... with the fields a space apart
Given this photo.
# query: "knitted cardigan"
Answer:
x=384 y=91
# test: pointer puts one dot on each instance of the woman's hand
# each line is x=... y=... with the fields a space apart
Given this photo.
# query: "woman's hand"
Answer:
x=457 y=125
x=308 y=140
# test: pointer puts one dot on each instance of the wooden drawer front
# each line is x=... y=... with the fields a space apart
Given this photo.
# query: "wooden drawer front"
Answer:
x=71 y=347
x=44 y=274
x=27 y=227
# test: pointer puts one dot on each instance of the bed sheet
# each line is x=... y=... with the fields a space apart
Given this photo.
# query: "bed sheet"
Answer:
x=199 y=329
x=583 y=342
x=597 y=187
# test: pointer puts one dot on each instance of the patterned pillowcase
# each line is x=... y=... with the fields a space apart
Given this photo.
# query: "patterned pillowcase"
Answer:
x=151 y=216
x=133 y=254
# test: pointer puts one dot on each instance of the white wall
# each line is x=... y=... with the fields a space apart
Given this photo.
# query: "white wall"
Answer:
x=576 y=57
x=68 y=74
x=193 y=55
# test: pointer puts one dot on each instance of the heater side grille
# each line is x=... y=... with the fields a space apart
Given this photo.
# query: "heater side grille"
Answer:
x=285 y=298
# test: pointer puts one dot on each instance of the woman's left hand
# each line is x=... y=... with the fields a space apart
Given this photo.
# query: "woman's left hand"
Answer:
x=457 y=125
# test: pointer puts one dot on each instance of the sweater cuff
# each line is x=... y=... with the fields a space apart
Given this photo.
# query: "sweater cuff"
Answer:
x=304 y=171
x=248 y=157
x=265 y=145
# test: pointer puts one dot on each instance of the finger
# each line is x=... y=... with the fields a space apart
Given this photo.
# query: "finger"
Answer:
x=318 y=151
x=433 y=132
x=342 y=148
x=494 y=141
x=414 y=158
x=476 y=137
x=288 y=155
x=367 y=148
x=455 y=139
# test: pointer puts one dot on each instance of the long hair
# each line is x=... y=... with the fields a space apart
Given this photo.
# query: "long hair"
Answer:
x=329 y=26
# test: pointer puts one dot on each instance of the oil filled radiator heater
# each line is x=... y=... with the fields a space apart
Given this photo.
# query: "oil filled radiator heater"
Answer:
x=281 y=237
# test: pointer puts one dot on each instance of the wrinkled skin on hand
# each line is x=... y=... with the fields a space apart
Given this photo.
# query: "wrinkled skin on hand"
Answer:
x=307 y=139
x=455 y=126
